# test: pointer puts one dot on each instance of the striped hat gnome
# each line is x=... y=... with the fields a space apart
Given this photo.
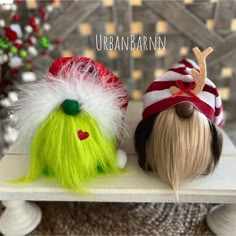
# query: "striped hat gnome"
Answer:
x=179 y=136
x=71 y=121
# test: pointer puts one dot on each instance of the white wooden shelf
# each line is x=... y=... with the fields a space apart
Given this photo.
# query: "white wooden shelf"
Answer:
x=134 y=186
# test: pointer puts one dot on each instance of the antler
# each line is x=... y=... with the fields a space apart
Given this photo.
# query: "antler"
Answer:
x=199 y=77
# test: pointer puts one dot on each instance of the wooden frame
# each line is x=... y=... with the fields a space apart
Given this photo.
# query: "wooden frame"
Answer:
x=180 y=19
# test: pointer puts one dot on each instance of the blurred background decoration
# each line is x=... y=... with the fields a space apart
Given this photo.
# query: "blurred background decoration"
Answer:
x=24 y=38
x=51 y=29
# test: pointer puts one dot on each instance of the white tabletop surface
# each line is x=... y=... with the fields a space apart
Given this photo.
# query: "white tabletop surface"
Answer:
x=134 y=186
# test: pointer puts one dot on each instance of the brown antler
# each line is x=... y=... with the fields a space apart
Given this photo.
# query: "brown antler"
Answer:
x=199 y=77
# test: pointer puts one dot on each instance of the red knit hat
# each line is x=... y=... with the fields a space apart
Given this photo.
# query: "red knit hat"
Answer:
x=186 y=82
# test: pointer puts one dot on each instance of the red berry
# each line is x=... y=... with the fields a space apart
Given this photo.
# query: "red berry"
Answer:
x=41 y=10
x=58 y=42
x=14 y=71
x=19 y=1
x=16 y=18
x=36 y=29
x=11 y=35
x=32 y=22
x=18 y=45
x=29 y=41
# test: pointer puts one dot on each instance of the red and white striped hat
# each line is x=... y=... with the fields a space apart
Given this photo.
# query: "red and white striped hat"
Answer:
x=160 y=96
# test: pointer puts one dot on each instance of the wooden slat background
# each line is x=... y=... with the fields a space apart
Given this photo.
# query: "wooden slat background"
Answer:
x=185 y=23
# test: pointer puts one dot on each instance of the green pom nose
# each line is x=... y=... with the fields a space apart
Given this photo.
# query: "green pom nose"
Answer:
x=71 y=107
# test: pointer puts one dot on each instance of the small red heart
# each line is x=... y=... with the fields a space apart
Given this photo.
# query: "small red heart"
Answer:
x=82 y=135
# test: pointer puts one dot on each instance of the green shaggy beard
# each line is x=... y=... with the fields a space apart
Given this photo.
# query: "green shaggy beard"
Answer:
x=57 y=151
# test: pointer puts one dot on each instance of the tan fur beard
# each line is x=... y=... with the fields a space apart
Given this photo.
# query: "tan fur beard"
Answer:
x=179 y=149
